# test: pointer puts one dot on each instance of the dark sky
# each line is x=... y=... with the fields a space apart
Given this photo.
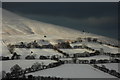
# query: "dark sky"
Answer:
x=99 y=18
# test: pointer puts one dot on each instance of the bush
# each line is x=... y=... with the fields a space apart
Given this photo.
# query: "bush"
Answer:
x=43 y=57
x=30 y=57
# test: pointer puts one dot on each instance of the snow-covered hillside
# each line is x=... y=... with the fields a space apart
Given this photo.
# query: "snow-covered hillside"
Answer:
x=20 y=30
x=14 y=25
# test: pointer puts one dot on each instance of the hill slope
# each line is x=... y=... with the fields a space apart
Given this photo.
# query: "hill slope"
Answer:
x=17 y=28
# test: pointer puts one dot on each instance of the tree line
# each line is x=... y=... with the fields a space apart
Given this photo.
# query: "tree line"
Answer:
x=17 y=71
x=106 y=70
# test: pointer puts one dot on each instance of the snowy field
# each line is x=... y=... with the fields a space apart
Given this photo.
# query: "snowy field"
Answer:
x=113 y=66
x=31 y=30
x=73 y=51
x=36 y=52
x=99 y=57
x=6 y=65
x=45 y=52
x=97 y=46
x=73 y=71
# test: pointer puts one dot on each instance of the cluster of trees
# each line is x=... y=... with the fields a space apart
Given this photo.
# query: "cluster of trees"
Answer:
x=104 y=69
x=63 y=45
x=29 y=57
x=17 y=71
x=89 y=39
x=77 y=46
x=14 y=56
x=33 y=44
x=77 y=40
x=86 y=54
x=54 y=57
x=112 y=45
x=31 y=77
x=92 y=61
x=114 y=55
x=4 y=58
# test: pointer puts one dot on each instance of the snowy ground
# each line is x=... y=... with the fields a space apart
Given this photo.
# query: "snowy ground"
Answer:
x=36 y=52
x=97 y=46
x=102 y=57
x=113 y=66
x=31 y=30
x=6 y=65
x=73 y=51
x=46 y=52
x=4 y=50
x=73 y=71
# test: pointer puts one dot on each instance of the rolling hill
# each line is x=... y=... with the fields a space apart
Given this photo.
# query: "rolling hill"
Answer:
x=17 y=28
